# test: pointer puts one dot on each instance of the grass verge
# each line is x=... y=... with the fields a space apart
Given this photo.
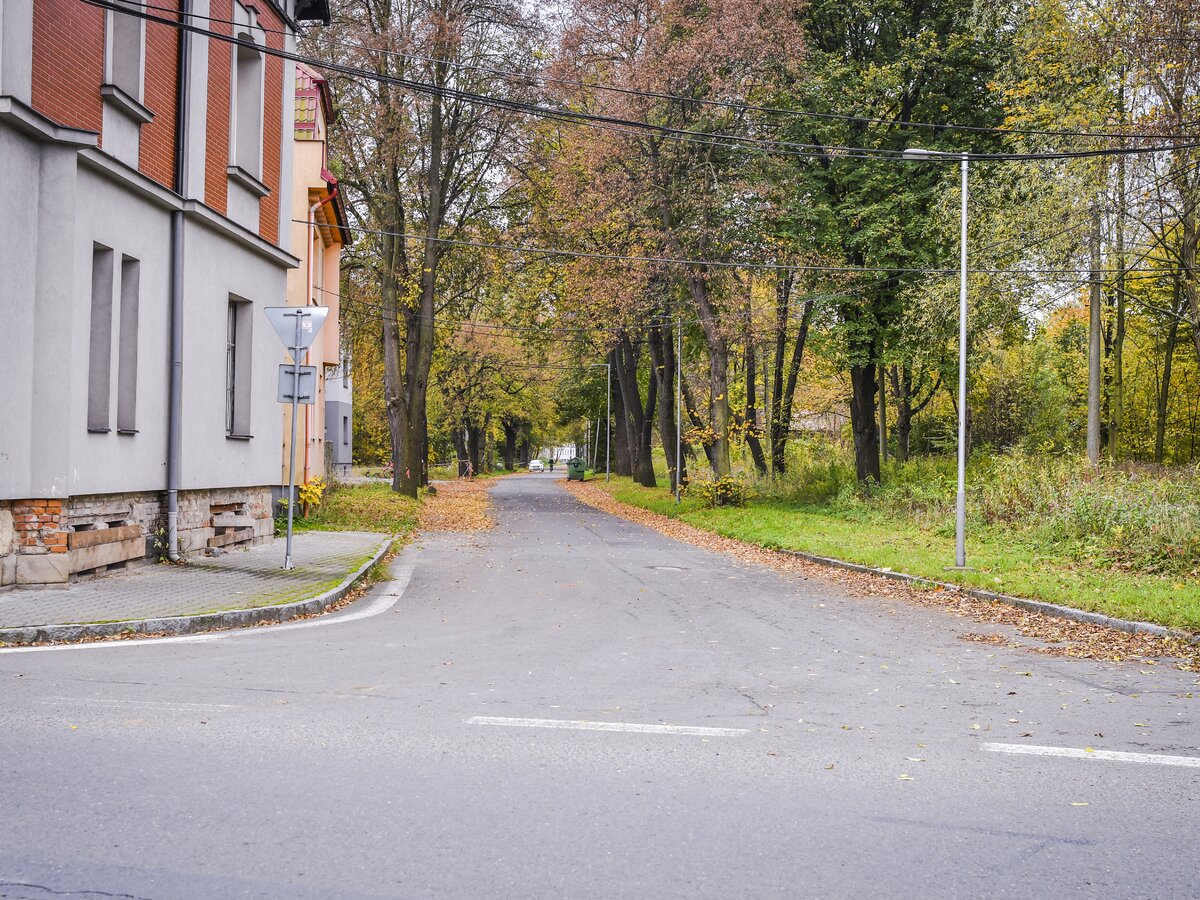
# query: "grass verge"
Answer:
x=362 y=507
x=1004 y=560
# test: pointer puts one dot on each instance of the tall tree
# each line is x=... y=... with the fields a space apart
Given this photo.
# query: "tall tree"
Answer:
x=420 y=162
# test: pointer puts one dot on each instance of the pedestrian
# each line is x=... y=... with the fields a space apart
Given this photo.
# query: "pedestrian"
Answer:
x=552 y=464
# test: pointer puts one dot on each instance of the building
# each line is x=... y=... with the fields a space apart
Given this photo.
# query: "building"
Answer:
x=147 y=207
x=318 y=230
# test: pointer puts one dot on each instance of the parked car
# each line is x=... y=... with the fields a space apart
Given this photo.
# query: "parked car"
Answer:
x=535 y=465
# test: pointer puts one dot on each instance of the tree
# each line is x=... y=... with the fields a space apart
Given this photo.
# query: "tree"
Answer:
x=420 y=161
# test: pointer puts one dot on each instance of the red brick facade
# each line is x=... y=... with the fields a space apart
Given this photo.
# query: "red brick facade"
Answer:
x=216 y=153
x=68 y=70
x=68 y=62
x=157 y=152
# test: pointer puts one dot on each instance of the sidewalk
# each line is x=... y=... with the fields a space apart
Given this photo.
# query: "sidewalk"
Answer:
x=209 y=588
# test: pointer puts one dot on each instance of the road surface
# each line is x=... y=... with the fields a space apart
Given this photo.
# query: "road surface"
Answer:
x=571 y=705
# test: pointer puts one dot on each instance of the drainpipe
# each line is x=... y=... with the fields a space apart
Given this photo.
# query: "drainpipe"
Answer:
x=183 y=72
x=312 y=239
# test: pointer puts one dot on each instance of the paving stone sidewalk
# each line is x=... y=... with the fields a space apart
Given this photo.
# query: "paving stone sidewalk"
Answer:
x=240 y=579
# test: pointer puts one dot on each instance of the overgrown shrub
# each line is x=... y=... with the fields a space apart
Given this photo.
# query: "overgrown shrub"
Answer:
x=716 y=492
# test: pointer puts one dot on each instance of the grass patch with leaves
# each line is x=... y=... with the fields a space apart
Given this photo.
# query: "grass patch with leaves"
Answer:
x=1029 y=562
x=361 y=507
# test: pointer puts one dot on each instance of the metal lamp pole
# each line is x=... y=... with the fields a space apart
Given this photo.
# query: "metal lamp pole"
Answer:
x=678 y=406
x=960 y=516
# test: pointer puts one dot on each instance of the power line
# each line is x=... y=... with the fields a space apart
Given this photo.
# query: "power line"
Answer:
x=785 y=148
x=542 y=79
x=734 y=264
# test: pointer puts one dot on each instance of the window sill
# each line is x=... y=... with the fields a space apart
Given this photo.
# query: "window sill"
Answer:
x=127 y=431
x=248 y=181
x=239 y=437
x=99 y=431
x=125 y=104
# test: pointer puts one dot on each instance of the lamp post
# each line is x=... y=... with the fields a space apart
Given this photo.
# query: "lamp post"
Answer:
x=960 y=551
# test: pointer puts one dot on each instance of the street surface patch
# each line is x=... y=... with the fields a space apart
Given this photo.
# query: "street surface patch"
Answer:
x=582 y=725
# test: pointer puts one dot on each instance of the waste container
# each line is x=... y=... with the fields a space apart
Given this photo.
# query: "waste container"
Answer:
x=575 y=469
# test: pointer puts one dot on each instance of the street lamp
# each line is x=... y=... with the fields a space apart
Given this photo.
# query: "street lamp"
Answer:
x=960 y=550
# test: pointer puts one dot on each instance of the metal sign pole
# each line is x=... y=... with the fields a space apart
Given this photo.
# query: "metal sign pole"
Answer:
x=291 y=500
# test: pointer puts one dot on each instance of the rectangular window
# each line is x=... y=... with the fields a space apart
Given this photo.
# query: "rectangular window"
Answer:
x=346 y=430
x=127 y=348
x=237 y=368
x=100 y=339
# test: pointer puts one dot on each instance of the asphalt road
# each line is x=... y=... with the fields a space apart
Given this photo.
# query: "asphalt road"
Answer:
x=744 y=735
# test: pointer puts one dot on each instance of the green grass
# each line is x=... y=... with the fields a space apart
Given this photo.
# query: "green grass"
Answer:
x=361 y=507
x=1006 y=559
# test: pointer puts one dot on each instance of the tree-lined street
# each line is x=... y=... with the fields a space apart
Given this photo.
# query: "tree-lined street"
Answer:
x=427 y=741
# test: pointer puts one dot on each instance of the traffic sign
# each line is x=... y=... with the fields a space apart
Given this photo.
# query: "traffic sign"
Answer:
x=283 y=319
x=303 y=392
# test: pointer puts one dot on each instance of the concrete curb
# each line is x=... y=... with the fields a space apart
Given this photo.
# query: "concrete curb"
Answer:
x=1038 y=606
x=234 y=618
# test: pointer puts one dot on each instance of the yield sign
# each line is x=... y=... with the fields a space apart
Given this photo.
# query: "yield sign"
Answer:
x=284 y=319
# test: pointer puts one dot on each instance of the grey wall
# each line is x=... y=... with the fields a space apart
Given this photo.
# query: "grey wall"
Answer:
x=69 y=200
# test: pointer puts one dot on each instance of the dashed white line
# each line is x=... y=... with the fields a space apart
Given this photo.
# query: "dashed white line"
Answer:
x=583 y=725
x=1151 y=759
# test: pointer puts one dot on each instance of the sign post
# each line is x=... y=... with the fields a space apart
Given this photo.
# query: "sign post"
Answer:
x=297 y=327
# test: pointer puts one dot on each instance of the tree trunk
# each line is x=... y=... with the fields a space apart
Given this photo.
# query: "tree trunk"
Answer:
x=753 y=441
x=637 y=421
x=1163 y=406
x=458 y=439
x=510 y=443
x=786 y=372
x=883 y=432
x=662 y=360
x=622 y=455
x=862 y=422
x=689 y=406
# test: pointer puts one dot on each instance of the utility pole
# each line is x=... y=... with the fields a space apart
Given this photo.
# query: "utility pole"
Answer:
x=1094 y=327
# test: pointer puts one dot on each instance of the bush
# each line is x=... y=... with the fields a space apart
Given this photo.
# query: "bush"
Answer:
x=726 y=491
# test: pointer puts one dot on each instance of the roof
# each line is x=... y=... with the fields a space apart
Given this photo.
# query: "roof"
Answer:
x=312 y=11
x=311 y=90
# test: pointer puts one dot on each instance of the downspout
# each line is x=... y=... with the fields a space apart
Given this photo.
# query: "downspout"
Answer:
x=312 y=239
x=183 y=71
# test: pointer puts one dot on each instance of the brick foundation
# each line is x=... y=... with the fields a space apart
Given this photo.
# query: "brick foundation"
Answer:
x=52 y=541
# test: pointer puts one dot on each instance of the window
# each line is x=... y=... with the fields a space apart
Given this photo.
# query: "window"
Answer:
x=127 y=347
x=100 y=339
x=346 y=430
x=246 y=108
x=237 y=368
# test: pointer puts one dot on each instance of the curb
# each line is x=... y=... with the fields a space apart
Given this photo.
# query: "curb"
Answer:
x=234 y=618
x=1038 y=606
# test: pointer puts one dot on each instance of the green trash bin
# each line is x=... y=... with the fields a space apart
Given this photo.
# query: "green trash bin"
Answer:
x=575 y=469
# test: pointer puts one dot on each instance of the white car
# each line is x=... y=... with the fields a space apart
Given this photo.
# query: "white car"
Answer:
x=535 y=465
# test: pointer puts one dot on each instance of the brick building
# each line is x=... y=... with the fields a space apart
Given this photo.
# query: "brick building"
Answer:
x=147 y=213
x=318 y=233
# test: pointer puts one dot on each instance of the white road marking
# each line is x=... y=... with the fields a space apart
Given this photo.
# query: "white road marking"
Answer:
x=1152 y=759
x=581 y=725
x=402 y=570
